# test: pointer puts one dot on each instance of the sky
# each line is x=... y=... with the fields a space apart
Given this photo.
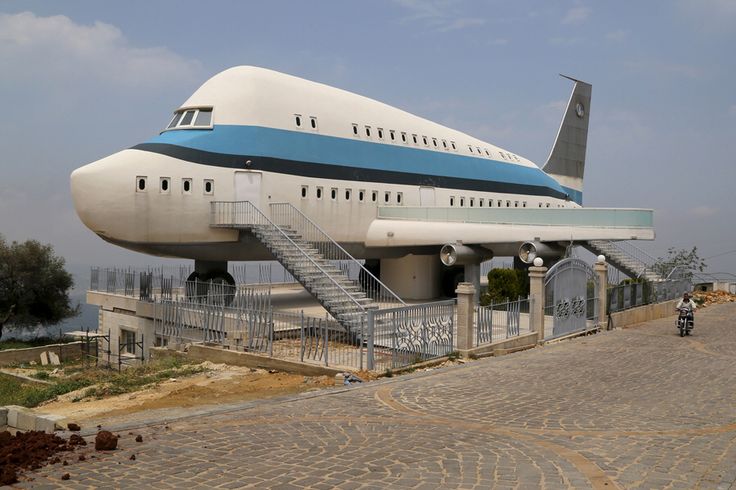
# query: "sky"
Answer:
x=80 y=80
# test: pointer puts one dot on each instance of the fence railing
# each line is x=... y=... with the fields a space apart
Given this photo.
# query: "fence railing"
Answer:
x=500 y=321
x=624 y=296
x=399 y=337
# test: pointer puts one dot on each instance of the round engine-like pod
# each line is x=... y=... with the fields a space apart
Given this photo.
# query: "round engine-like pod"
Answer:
x=455 y=254
x=531 y=250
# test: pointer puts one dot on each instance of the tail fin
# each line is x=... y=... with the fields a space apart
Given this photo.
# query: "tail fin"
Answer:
x=566 y=161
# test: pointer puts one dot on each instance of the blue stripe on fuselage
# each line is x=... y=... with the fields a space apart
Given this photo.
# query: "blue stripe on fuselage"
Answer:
x=308 y=146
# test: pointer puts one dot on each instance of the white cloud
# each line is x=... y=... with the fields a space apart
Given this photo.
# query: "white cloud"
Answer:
x=439 y=15
x=57 y=47
x=617 y=35
x=576 y=15
x=703 y=211
x=461 y=24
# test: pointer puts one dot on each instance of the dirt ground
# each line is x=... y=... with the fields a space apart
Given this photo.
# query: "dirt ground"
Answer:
x=220 y=384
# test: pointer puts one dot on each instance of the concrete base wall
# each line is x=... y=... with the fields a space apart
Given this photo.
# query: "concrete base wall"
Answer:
x=72 y=350
x=526 y=341
x=643 y=314
x=247 y=359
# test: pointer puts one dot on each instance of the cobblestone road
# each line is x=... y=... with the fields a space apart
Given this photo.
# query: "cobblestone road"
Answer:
x=633 y=408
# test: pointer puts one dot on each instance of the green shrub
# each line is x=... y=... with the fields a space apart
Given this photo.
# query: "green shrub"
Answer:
x=505 y=285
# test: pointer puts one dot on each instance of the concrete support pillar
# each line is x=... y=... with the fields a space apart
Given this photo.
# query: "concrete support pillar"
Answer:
x=601 y=271
x=465 y=308
x=536 y=293
x=413 y=276
x=472 y=275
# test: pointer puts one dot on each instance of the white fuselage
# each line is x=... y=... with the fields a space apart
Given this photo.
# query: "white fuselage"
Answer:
x=272 y=138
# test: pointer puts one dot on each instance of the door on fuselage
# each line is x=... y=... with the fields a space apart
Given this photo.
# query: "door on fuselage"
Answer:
x=426 y=197
x=248 y=187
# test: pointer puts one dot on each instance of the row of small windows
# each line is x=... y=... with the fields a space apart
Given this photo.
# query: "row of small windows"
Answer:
x=187 y=185
x=482 y=202
x=363 y=195
x=300 y=121
x=415 y=139
x=191 y=118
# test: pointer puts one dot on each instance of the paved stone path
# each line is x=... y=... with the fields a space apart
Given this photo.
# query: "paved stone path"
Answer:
x=633 y=408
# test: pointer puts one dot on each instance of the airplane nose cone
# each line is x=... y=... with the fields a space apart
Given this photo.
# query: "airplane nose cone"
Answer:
x=84 y=182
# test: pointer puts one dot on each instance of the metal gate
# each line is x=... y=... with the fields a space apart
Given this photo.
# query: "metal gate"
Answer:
x=571 y=297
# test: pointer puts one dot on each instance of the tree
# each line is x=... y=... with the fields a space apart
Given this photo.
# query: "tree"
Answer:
x=34 y=286
x=686 y=261
x=505 y=285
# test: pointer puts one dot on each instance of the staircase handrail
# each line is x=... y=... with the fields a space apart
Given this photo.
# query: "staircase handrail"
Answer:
x=259 y=213
x=285 y=210
x=634 y=252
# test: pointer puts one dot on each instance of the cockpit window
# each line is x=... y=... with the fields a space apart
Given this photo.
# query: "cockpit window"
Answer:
x=192 y=119
x=204 y=117
x=174 y=121
x=187 y=119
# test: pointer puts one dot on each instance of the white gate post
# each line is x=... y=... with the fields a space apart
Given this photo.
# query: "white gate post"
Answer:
x=601 y=269
x=536 y=292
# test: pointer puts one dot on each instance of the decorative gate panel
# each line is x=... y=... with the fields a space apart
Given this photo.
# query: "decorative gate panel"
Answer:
x=571 y=297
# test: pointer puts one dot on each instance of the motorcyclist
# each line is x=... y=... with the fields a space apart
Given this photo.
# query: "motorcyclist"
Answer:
x=689 y=305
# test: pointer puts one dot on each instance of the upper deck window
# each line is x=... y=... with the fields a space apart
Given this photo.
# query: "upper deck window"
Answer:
x=198 y=118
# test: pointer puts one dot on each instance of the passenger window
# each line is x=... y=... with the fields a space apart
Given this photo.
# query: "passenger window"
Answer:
x=374 y=196
x=480 y=202
x=403 y=137
x=319 y=193
x=444 y=144
x=472 y=201
x=368 y=131
x=305 y=191
x=462 y=202
x=298 y=120
x=414 y=137
x=393 y=134
x=386 y=197
x=487 y=154
x=355 y=129
x=209 y=187
x=347 y=194
x=333 y=193
x=523 y=204
x=140 y=183
x=399 y=196
x=424 y=139
x=186 y=186
x=313 y=122
x=470 y=148
x=452 y=200
x=361 y=195
x=508 y=204
x=165 y=185
x=516 y=204
x=452 y=143
x=434 y=142
x=380 y=133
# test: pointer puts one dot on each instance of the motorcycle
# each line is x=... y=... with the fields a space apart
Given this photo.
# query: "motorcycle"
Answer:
x=685 y=321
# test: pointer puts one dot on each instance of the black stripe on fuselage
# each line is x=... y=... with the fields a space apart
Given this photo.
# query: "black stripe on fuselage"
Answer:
x=342 y=172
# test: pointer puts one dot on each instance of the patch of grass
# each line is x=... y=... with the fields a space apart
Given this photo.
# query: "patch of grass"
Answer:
x=106 y=382
x=15 y=392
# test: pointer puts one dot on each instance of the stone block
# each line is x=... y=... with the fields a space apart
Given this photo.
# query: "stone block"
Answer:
x=54 y=359
x=13 y=411
x=26 y=420
x=49 y=423
x=3 y=416
x=44 y=358
x=339 y=379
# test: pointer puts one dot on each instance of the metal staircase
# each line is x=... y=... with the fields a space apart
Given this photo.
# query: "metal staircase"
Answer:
x=309 y=254
x=627 y=258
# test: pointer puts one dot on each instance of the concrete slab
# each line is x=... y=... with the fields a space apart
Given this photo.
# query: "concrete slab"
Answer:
x=54 y=359
x=44 y=358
